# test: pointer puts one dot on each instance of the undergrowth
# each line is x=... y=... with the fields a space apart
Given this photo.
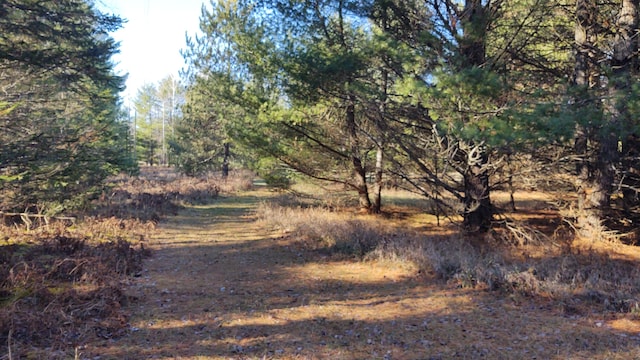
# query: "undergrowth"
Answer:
x=59 y=292
x=513 y=259
x=62 y=282
x=321 y=229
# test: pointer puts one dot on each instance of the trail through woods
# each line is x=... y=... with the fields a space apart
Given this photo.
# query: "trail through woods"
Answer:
x=221 y=286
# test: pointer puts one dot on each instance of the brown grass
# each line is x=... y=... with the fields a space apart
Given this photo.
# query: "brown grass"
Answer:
x=59 y=292
x=536 y=256
x=263 y=275
x=63 y=283
x=269 y=276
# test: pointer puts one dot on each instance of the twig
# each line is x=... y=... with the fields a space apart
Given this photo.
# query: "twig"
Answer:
x=72 y=218
x=27 y=216
x=9 y=343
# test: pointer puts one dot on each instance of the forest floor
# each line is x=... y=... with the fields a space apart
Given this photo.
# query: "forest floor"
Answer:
x=222 y=285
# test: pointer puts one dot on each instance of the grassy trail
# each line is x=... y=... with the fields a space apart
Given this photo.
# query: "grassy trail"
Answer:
x=221 y=286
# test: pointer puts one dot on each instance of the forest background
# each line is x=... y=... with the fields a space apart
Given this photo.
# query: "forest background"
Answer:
x=451 y=100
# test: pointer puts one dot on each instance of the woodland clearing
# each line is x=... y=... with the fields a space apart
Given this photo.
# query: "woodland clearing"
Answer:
x=236 y=277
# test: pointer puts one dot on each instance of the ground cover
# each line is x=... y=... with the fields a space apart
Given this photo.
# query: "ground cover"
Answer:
x=258 y=274
x=63 y=279
x=227 y=283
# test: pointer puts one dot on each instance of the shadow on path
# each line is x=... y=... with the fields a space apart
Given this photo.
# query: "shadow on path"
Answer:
x=221 y=286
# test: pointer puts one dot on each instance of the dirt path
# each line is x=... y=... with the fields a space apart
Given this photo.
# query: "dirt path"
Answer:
x=221 y=287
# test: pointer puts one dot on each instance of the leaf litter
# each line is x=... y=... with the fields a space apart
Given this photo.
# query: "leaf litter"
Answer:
x=222 y=285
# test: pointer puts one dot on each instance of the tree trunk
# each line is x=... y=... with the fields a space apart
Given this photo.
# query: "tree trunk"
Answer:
x=582 y=75
x=377 y=191
x=596 y=183
x=624 y=51
x=478 y=211
x=631 y=167
x=379 y=169
x=225 y=161
x=600 y=197
x=474 y=19
x=359 y=172
x=630 y=163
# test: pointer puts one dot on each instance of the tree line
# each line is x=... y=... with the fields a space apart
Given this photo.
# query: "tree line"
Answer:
x=60 y=128
x=451 y=99
x=153 y=117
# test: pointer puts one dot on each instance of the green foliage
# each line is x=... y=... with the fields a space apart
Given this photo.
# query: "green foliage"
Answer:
x=229 y=80
x=59 y=129
x=443 y=88
x=464 y=103
x=201 y=133
x=274 y=173
x=148 y=125
x=157 y=110
x=297 y=83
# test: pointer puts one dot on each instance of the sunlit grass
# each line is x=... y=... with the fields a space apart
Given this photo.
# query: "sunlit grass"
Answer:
x=521 y=265
x=267 y=275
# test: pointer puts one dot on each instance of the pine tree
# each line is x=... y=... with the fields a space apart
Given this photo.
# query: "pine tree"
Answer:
x=59 y=134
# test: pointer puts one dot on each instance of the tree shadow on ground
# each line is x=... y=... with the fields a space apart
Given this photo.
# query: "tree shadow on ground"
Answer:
x=266 y=298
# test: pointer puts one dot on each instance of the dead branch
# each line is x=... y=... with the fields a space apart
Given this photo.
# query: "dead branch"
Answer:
x=26 y=218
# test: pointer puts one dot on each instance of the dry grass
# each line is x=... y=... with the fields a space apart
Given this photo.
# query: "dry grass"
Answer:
x=319 y=228
x=517 y=257
x=59 y=292
x=264 y=275
x=63 y=283
x=224 y=286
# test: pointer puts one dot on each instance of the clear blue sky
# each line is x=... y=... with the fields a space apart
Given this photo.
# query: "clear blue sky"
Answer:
x=151 y=40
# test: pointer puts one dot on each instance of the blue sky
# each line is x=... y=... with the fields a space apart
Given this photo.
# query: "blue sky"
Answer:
x=151 y=40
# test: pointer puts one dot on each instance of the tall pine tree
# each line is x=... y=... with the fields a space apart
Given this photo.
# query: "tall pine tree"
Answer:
x=59 y=134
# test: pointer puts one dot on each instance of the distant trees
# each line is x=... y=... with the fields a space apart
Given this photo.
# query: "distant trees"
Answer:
x=156 y=110
x=295 y=97
x=439 y=94
x=200 y=142
x=59 y=133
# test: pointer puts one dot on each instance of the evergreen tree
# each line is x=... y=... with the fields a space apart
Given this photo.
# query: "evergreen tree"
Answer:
x=304 y=85
x=148 y=125
x=606 y=67
x=59 y=133
x=200 y=143
x=443 y=91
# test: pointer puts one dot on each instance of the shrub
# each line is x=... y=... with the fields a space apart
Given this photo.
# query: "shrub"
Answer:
x=590 y=276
